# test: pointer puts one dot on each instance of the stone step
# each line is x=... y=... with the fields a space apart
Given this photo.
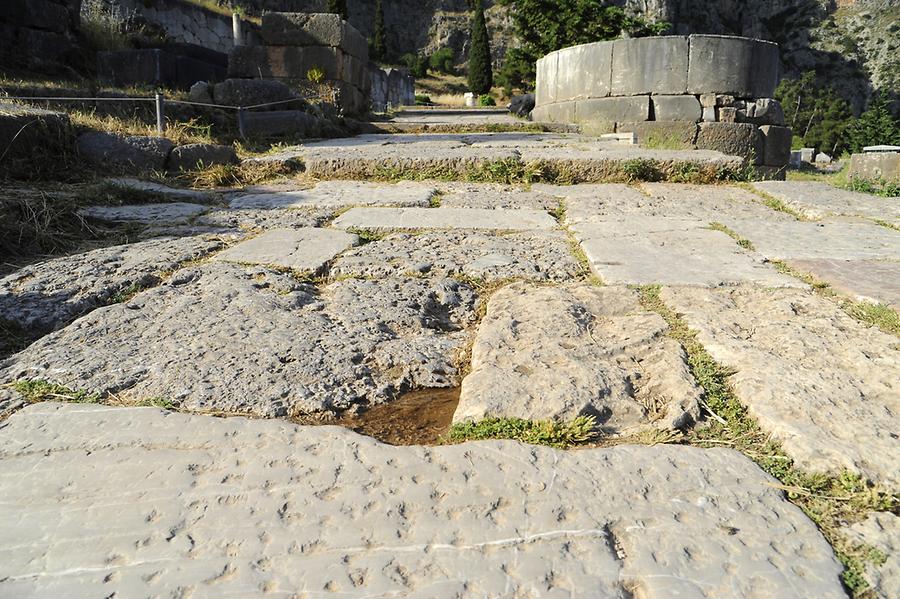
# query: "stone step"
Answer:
x=444 y=218
x=238 y=506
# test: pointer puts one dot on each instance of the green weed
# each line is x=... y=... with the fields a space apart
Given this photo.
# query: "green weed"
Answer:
x=744 y=243
x=543 y=432
x=37 y=390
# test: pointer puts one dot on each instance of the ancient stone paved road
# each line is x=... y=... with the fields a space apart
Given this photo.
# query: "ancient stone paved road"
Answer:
x=297 y=299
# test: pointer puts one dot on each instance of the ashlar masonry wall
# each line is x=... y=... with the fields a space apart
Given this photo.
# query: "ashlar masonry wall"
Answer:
x=703 y=91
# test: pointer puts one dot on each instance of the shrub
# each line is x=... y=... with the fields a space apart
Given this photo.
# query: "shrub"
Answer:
x=481 y=77
x=379 y=43
x=416 y=63
x=316 y=75
x=875 y=126
x=442 y=61
x=423 y=100
x=486 y=100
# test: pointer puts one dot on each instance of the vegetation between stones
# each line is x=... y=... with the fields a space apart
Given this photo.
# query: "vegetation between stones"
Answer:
x=543 y=432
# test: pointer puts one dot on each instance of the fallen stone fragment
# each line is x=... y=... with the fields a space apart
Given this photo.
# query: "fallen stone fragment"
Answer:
x=339 y=194
x=835 y=240
x=881 y=531
x=304 y=250
x=230 y=506
x=868 y=280
x=444 y=218
x=537 y=256
x=251 y=340
x=640 y=250
x=817 y=200
x=51 y=294
x=165 y=213
x=552 y=352
x=820 y=382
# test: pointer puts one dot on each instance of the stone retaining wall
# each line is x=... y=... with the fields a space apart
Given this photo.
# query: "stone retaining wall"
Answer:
x=296 y=43
x=704 y=91
x=38 y=33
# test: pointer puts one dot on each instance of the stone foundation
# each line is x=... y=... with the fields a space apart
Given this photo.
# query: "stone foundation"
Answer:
x=38 y=34
x=700 y=91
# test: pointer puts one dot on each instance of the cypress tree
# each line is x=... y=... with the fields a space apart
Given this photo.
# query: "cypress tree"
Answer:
x=338 y=7
x=481 y=77
x=379 y=45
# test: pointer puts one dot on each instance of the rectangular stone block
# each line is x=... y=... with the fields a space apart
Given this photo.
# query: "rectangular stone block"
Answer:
x=444 y=218
x=277 y=123
x=613 y=110
x=285 y=61
x=734 y=139
x=662 y=134
x=584 y=71
x=875 y=165
x=677 y=108
x=354 y=43
x=776 y=145
x=732 y=65
x=650 y=65
x=302 y=29
x=546 y=83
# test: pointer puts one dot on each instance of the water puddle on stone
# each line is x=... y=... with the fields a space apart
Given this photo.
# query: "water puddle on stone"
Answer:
x=419 y=417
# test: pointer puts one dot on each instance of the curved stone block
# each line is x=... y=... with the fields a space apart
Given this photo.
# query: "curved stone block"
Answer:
x=740 y=66
x=545 y=87
x=677 y=108
x=649 y=65
x=613 y=110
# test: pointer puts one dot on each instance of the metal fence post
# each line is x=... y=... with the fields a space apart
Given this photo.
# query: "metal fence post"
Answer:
x=160 y=114
x=240 y=119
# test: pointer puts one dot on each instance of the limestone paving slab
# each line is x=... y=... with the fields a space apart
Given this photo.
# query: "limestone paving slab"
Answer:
x=880 y=530
x=835 y=240
x=339 y=194
x=870 y=280
x=261 y=219
x=491 y=195
x=561 y=352
x=532 y=255
x=192 y=195
x=641 y=250
x=305 y=250
x=444 y=218
x=50 y=294
x=820 y=382
x=167 y=212
x=216 y=507
x=816 y=200
x=252 y=340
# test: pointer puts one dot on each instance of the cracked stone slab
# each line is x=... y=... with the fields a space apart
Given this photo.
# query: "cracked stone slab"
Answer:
x=444 y=218
x=869 y=280
x=191 y=195
x=816 y=200
x=563 y=352
x=835 y=240
x=339 y=194
x=51 y=294
x=165 y=213
x=231 y=506
x=532 y=255
x=252 y=340
x=253 y=219
x=641 y=250
x=491 y=195
x=881 y=530
x=820 y=382
x=304 y=250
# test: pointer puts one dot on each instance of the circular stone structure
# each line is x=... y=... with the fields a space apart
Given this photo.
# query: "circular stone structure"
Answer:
x=702 y=91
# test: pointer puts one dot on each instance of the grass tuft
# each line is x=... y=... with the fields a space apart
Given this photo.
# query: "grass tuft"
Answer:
x=37 y=390
x=543 y=432
x=744 y=243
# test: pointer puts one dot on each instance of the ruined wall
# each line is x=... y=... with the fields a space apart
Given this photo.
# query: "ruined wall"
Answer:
x=708 y=91
x=38 y=34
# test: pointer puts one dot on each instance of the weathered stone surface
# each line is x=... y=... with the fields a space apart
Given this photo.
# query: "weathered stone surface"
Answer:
x=546 y=83
x=776 y=145
x=444 y=218
x=648 y=65
x=881 y=530
x=743 y=67
x=252 y=219
x=197 y=156
x=733 y=139
x=270 y=345
x=536 y=256
x=816 y=200
x=564 y=352
x=875 y=165
x=193 y=195
x=612 y=110
x=640 y=250
x=808 y=240
x=291 y=62
x=870 y=280
x=301 y=29
x=584 y=71
x=25 y=130
x=201 y=92
x=250 y=92
x=763 y=111
x=304 y=250
x=280 y=123
x=488 y=195
x=656 y=133
x=164 y=213
x=49 y=295
x=339 y=194
x=820 y=382
x=677 y=108
x=112 y=150
x=237 y=506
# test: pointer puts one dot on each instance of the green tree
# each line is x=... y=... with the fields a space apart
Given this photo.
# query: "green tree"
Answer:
x=543 y=26
x=818 y=116
x=338 y=7
x=379 y=44
x=876 y=126
x=442 y=61
x=481 y=76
